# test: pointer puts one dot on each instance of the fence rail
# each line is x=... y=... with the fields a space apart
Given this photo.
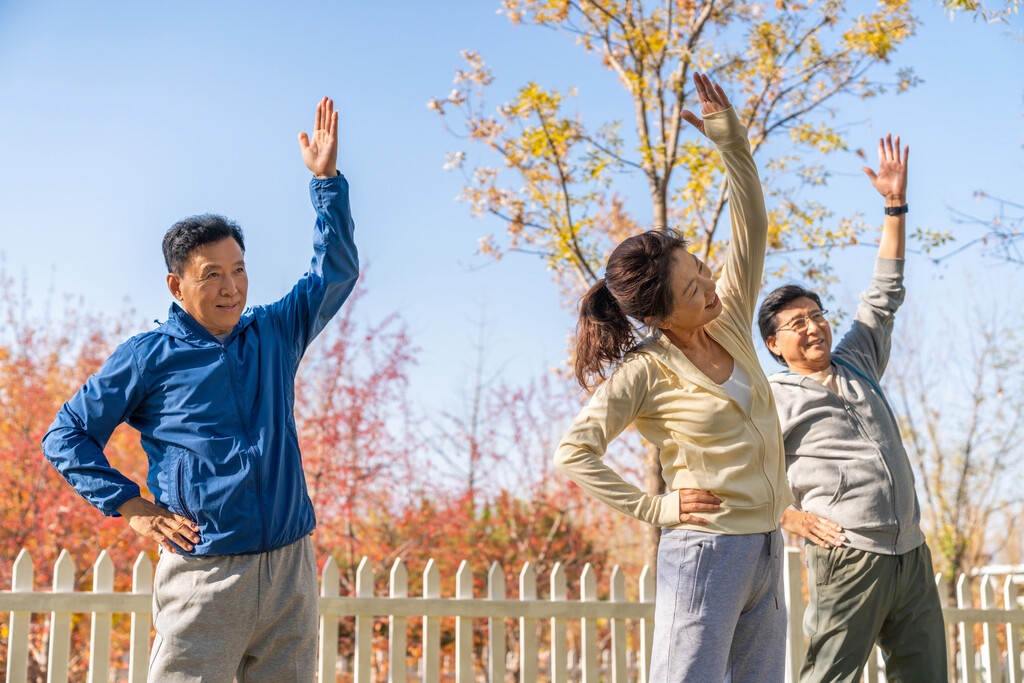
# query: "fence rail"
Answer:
x=618 y=664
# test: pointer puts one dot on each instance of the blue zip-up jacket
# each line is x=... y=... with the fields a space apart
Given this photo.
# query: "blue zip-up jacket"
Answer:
x=216 y=421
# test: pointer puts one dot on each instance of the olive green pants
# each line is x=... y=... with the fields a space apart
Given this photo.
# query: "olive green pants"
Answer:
x=858 y=598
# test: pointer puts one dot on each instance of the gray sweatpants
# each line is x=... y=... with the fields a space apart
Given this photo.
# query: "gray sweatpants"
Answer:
x=858 y=598
x=719 y=613
x=253 y=617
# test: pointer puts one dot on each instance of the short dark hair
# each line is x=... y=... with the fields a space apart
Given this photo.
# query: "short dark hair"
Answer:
x=775 y=302
x=193 y=232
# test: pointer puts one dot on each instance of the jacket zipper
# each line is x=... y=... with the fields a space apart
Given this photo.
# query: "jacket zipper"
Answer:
x=251 y=448
x=885 y=465
x=718 y=391
x=181 y=491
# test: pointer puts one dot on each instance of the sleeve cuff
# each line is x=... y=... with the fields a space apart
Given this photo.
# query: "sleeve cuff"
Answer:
x=110 y=510
x=340 y=178
x=889 y=267
x=725 y=130
x=668 y=513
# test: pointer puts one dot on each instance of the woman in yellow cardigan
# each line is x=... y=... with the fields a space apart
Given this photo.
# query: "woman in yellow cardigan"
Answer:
x=693 y=388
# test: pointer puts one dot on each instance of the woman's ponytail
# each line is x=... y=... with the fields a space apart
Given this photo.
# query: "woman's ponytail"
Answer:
x=603 y=334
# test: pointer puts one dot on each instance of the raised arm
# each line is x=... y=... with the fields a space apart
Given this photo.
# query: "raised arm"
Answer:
x=305 y=311
x=741 y=275
x=869 y=340
x=891 y=183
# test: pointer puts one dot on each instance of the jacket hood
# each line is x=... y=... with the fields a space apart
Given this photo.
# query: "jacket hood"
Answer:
x=796 y=379
x=181 y=325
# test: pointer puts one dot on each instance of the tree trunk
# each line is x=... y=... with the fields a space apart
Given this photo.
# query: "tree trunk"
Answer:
x=654 y=484
x=659 y=220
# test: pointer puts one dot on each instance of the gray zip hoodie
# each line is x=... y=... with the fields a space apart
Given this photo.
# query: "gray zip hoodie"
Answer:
x=844 y=456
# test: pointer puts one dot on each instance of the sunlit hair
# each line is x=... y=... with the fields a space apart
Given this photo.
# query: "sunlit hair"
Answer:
x=638 y=285
x=193 y=232
x=775 y=302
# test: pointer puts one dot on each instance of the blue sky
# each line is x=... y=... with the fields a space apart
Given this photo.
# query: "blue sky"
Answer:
x=119 y=118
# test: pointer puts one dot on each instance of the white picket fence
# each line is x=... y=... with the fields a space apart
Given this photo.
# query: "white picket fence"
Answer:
x=617 y=665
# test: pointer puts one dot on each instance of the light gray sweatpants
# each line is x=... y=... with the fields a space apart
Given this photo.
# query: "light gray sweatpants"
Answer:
x=719 y=612
x=253 y=617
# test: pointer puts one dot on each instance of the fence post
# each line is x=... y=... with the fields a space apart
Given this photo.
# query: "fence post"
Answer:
x=496 y=626
x=966 y=631
x=60 y=622
x=990 y=644
x=1012 y=636
x=559 y=655
x=527 y=627
x=329 y=623
x=793 y=586
x=464 y=627
x=99 y=634
x=364 y=625
x=431 y=625
x=872 y=668
x=948 y=629
x=138 y=647
x=647 y=590
x=588 y=592
x=17 y=636
x=618 y=628
x=396 y=625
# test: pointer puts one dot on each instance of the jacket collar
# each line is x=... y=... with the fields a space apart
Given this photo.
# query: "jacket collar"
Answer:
x=671 y=357
x=181 y=325
x=796 y=379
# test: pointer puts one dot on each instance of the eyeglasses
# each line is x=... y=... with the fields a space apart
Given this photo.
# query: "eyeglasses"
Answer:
x=799 y=325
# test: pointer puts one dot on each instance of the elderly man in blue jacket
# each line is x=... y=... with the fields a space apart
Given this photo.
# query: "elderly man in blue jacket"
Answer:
x=211 y=391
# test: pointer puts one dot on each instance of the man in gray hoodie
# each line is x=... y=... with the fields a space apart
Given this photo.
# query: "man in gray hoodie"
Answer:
x=869 y=570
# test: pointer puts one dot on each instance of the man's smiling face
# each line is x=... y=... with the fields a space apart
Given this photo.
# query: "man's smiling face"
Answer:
x=803 y=337
x=213 y=286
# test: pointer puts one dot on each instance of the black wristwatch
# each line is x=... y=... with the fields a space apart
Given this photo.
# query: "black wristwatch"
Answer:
x=896 y=210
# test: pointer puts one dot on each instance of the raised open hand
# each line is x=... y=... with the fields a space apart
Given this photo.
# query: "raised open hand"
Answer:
x=891 y=179
x=321 y=153
x=712 y=99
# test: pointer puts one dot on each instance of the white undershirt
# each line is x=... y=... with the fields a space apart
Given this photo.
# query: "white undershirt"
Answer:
x=738 y=386
x=222 y=337
x=827 y=378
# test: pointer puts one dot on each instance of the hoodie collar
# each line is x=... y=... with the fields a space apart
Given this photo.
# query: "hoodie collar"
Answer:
x=670 y=356
x=181 y=325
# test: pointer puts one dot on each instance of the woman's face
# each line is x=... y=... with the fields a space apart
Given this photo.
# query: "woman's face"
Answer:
x=695 y=302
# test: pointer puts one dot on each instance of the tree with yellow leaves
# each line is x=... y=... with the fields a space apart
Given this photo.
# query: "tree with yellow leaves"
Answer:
x=552 y=179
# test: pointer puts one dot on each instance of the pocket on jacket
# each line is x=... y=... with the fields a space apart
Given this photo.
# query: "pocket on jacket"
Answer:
x=863 y=498
x=184 y=489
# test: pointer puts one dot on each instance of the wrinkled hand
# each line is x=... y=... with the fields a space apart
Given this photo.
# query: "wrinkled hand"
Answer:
x=321 y=152
x=163 y=526
x=818 y=530
x=891 y=179
x=695 y=500
x=712 y=99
